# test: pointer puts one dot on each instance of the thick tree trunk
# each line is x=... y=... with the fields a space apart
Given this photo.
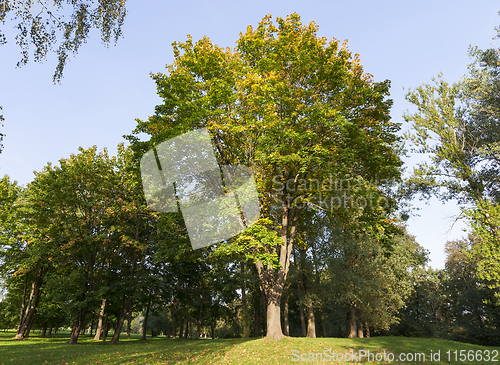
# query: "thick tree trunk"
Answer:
x=50 y=331
x=145 y=323
x=186 y=334
x=367 y=330
x=98 y=331
x=359 y=322
x=274 y=321
x=311 y=321
x=353 y=330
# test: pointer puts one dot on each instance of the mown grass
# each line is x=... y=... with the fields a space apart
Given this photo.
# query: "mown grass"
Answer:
x=159 y=350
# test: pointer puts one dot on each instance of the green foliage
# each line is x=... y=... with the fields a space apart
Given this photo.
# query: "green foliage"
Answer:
x=363 y=274
x=61 y=26
x=458 y=127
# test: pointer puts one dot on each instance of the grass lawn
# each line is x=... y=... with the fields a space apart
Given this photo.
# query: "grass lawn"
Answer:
x=159 y=350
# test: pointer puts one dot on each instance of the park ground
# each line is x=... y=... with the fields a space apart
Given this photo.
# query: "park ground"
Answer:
x=159 y=350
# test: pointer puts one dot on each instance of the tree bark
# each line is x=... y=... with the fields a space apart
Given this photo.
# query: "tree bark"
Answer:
x=98 y=331
x=244 y=308
x=311 y=321
x=353 y=330
x=44 y=329
x=28 y=308
x=360 y=330
x=77 y=326
x=181 y=332
x=323 y=322
x=286 y=321
x=274 y=319
x=301 y=311
x=200 y=317
x=121 y=320
x=129 y=322
x=256 y=329
x=145 y=323
x=359 y=323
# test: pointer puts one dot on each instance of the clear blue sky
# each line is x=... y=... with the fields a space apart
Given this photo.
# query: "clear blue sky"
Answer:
x=105 y=89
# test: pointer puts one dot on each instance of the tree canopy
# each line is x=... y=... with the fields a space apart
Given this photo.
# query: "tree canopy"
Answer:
x=299 y=111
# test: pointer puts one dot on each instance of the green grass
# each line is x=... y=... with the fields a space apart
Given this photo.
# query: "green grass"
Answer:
x=159 y=350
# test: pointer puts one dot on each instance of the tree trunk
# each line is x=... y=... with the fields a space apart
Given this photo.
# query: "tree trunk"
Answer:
x=145 y=323
x=44 y=329
x=98 y=331
x=256 y=329
x=129 y=322
x=367 y=330
x=106 y=328
x=359 y=322
x=274 y=315
x=28 y=309
x=169 y=329
x=286 y=321
x=187 y=330
x=77 y=326
x=301 y=311
x=360 y=329
x=50 y=331
x=272 y=282
x=200 y=317
x=121 y=320
x=311 y=321
x=244 y=308
x=353 y=331
x=181 y=331
x=323 y=322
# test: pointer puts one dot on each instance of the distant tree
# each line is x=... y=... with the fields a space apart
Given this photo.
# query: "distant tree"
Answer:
x=458 y=127
x=472 y=311
x=424 y=311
